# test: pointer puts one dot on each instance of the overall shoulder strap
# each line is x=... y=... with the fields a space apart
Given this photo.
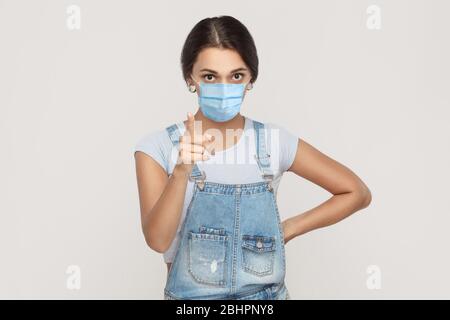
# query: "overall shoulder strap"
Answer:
x=262 y=156
x=174 y=134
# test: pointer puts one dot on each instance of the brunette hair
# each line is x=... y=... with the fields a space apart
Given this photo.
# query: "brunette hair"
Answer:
x=219 y=32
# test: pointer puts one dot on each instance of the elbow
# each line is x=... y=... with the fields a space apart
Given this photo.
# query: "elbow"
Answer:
x=155 y=241
x=364 y=197
x=156 y=244
x=153 y=238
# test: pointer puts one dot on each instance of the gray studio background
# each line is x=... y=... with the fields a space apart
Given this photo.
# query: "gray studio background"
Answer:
x=73 y=103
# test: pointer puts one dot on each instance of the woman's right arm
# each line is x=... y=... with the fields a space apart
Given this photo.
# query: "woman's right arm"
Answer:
x=161 y=197
x=161 y=201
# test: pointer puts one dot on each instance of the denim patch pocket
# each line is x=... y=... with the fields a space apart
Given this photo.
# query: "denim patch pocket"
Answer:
x=207 y=256
x=258 y=254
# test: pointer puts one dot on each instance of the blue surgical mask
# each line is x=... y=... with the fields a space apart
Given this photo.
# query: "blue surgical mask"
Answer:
x=221 y=101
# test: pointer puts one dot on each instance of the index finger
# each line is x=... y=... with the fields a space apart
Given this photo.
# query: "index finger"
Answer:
x=190 y=124
x=192 y=129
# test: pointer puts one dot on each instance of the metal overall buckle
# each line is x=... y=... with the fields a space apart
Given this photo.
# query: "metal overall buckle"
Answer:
x=268 y=177
x=199 y=181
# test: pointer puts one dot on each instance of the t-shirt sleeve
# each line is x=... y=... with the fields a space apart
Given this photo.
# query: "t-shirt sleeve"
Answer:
x=157 y=145
x=286 y=144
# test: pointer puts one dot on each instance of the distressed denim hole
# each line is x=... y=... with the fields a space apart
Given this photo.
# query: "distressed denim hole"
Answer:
x=207 y=258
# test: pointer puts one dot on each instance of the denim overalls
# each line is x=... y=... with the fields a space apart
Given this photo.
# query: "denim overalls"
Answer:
x=232 y=243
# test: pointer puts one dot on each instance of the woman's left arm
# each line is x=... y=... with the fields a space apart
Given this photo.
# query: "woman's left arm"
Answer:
x=350 y=193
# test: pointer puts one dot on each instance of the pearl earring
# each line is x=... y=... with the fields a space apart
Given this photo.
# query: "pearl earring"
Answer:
x=192 y=88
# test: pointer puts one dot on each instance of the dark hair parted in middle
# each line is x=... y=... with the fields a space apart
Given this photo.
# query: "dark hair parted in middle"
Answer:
x=219 y=32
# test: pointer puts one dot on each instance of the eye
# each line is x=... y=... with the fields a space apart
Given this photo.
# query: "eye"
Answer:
x=238 y=76
x=208 y=77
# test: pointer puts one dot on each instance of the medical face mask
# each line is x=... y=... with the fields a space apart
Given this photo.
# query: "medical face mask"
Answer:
x=220 y=101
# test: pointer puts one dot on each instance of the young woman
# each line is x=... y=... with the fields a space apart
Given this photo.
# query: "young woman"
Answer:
x=207 y=185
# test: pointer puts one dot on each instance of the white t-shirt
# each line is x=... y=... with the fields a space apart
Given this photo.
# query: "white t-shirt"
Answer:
x=232 y=165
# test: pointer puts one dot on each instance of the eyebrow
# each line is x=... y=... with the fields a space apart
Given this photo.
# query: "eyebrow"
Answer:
x=232 y=71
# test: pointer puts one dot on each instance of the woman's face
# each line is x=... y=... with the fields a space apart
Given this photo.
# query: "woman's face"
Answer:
x=214 y=65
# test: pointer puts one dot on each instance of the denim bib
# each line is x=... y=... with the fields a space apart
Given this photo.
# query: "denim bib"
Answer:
x=231 y=244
